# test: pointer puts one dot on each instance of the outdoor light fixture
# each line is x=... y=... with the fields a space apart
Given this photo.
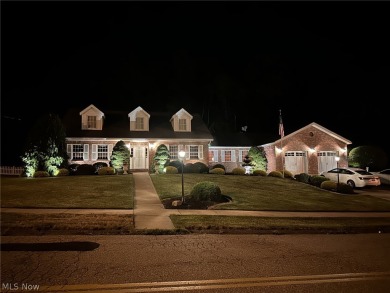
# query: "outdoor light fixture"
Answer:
x=337 y=158
x=182 y=154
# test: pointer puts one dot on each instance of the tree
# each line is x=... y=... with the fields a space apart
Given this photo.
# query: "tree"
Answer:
x=259 y=159
x=120 y=155
x=161 y=157
x=364 y=156
x=45 y=147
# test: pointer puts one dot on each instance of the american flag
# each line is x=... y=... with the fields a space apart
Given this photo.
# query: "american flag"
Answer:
x=281 y=127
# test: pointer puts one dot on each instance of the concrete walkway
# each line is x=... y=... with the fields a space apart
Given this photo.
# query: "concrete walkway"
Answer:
x=149 y=212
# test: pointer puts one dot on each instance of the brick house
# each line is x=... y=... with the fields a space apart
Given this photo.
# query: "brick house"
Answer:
x=92 y=134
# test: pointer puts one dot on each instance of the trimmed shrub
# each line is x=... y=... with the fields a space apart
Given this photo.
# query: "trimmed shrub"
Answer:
x=341 y=188
x=171 y=170
x=40 y=174
x=218 y=166
x=206 y=191
x=190 y=168
x=259 y=173
x=99 y=165
x=277 y=174
x=316 y=180
x=218 y=171
x=106 y=171
x=238 y=171
x=63 y=172
x=73 y=168
x=201 y=167
x=85 y=169
x=288 y=174
x=303 y=177
x=176 y=164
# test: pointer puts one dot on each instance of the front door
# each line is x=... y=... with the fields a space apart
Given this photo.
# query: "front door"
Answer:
x=139 y=159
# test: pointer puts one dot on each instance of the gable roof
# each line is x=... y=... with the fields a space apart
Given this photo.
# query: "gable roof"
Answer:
x=117 y=125
x=319 y=127
x=180 y=113
x=93 y=107
x=132 y=114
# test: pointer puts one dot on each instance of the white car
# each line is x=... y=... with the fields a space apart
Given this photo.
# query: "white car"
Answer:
x=354 y=177
x=384 y=175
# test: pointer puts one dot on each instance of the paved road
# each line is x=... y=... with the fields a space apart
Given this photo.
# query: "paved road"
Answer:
x=210 y=263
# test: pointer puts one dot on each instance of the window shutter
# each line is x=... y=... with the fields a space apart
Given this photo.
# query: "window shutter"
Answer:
x=94 y=152
x=69 y=150
x=188 y=152
x=200 y=152
x=233 y=156
x=222 y=156
x=86 y=152
x=216 y=159
x=110 y=146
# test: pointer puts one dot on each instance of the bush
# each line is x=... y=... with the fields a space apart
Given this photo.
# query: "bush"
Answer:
x=218 y=171
x=73 y=168
x=277 y=174
x=287 y=174
x=316 y=180
x=171 y=170
x=106 y=171
x=303 y=177
x=341 y=188
x=190 y=168
x=176 y=164
x=206 y=191
x=39 y=174
x=218 y=166
x=259 y=173
x=201 y=167
x=85 y=169
x=238 y=171
x=99 y=165
x=63 y=172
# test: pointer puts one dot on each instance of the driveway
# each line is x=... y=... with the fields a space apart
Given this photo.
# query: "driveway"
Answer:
x=382 y=191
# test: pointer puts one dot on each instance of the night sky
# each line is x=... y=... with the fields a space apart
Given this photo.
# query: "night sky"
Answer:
x=323 y=62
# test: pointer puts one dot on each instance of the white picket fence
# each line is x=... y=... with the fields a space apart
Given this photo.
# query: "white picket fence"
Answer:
x=6 y=170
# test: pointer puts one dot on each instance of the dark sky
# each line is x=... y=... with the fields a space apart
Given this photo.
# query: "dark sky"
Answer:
x=324 y=62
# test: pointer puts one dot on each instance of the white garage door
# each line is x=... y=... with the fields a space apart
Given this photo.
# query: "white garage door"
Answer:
x=326 y=161
x=296 y=162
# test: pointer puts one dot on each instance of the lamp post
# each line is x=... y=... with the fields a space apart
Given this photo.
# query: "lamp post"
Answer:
x=337 y=158
x=182 y=154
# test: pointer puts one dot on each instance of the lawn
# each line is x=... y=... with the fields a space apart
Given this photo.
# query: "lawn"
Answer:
x=117 y=192
x=84 y=192
x=259 y=193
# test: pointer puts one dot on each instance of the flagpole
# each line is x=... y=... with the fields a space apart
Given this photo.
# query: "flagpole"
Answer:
x=281 y=133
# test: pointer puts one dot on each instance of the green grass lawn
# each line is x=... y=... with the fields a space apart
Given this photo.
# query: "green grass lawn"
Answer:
x=258 y=193
x=117 y=192
x=90 y=192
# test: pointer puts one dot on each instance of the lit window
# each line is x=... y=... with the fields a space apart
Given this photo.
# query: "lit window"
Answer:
x=91 y=122
x=182 y=124
x=102 y=152
x=228 y=156
x=173 y=151
x=194 y=152
x=78 y=152
x=243 y=155
x=139 y=123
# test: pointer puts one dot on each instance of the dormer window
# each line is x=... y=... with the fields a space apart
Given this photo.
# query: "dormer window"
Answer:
x=91 y=118
x=139 y=123
x=91 y=122
x=139 y=120
x=181 y=121
x=183 y=124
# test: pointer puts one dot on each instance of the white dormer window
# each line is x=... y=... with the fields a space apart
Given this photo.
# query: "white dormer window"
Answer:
x=182 y=124
x=91 y=118
x=91 y=122
x=139 y=123
x=181 y=121
x=139 y=120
